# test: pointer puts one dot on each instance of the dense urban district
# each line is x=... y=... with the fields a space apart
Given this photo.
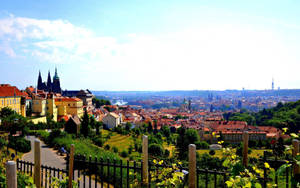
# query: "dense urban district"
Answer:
x=111 y=125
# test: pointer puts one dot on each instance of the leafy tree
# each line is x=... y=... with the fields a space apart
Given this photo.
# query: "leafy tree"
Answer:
x=165 y=131
x=100 y=102
x=190 y=136
x=128 y=126
x=5 y=112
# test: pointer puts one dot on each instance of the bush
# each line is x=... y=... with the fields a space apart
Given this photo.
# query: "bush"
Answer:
x=115 y=149
x=98 y=141
x=156 y=150
x=107 y=147
x=20 y=144
x=124 y=153
x=202 y=145
x=3 y=143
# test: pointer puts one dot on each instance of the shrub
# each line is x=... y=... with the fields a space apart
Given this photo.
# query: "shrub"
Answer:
x=19 y=144
x=98 y=141
x=115 y=149
x=202 y=145
x=156 y=150
x=124 y=153
x=107 y=147
x=3 y=143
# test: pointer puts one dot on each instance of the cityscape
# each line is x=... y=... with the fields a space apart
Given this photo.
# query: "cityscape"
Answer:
x=149 y=94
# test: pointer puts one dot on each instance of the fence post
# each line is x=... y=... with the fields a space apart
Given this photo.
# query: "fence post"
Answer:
x=245 y=148
x=71 y=165
x=296 y=168
x=37 y=163
x=145 y=160
x=192 y=166
x=11 y=174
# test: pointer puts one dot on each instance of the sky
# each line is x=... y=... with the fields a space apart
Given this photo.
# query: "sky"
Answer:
x=151 y=45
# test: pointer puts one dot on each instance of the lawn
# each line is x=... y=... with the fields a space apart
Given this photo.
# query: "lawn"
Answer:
x=122 y=142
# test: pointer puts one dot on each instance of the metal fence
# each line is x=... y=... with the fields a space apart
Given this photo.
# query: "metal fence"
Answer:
x=93 y=172
x=108 y=172
x=47 y=173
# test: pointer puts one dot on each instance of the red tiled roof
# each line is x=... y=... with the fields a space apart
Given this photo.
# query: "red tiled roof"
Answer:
x=7 y=90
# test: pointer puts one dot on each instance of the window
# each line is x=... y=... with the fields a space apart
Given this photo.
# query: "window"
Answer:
x=2 y=102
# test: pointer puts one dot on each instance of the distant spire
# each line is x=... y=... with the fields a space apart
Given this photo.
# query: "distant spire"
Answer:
x=55 y=75
x=40 y=81
x=272 y=83
x=49 y=83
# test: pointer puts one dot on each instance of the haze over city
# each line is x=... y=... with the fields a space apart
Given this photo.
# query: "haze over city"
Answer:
x=151 y=45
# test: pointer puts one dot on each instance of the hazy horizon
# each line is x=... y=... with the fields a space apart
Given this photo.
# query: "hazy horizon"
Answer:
x=151 y=45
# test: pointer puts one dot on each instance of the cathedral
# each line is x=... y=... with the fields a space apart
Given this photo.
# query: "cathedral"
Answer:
x=49 y=86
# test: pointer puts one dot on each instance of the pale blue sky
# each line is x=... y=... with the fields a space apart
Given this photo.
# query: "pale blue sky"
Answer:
x=151 y=45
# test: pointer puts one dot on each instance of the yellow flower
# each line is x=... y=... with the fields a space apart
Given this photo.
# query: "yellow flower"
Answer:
x=221 y=142
x=285 y=129
x=154 y=161
x=161 y=162
x=267 y=165
x=294 y=135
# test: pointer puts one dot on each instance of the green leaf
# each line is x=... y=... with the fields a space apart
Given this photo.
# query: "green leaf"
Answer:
x=258 y=185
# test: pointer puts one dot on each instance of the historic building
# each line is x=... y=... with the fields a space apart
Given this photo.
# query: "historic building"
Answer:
x=12 y=97
x=49 y=86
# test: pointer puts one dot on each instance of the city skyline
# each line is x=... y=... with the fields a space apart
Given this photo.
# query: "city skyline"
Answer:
x=151 y=46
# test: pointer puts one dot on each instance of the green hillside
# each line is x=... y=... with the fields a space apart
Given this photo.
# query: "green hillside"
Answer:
x=283 y=115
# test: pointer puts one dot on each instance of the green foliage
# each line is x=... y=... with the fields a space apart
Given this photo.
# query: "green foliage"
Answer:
x=167 y=176
x=85 y=124
x=283 y=115
x=124 y=154
x=202 y=145
x=24 y=180
x=107 y=147
x=100 y=102
x=115 y=149
x=5 y=112
x=63 y=183
x=156 y=150
x=98 y=141
x=186 y=137
x=19 y=144
x=3 y=143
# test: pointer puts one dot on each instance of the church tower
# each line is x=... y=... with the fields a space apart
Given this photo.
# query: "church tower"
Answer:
x=40 y=81
x=56 y=83
x=49 y=83
x=272 y=84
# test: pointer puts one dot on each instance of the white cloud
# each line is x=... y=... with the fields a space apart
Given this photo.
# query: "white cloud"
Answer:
x=207 y=57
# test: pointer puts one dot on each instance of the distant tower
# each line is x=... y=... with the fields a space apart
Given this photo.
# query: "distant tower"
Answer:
x=56 y=83
x=40 y=81
x=49 y=83
x=272 y=84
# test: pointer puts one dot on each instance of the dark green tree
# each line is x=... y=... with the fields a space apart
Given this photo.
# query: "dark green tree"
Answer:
x=85 y=127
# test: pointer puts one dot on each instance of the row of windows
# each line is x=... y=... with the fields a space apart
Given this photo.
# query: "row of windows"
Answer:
x=10 y=101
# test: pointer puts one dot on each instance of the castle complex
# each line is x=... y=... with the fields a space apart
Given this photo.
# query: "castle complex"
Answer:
x=49 y=86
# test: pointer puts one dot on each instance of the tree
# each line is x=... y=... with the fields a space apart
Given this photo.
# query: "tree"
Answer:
x=6 y=111
x=128 y=126
x=85 y=127
x=98 y=125
x=165 y=131
x=100 y=102
x=186 y=137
